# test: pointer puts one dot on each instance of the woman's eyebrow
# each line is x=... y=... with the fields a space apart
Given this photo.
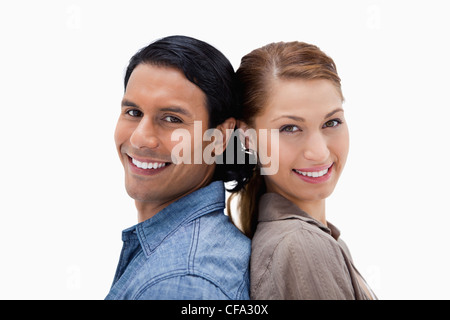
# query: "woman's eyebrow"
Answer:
x=295 y=118
x=333 y=112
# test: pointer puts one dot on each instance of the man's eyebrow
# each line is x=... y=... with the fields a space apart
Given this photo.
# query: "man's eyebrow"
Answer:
x=128 y=103
x=174 y=109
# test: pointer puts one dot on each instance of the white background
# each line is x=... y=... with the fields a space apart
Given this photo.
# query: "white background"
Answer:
x=63 y=203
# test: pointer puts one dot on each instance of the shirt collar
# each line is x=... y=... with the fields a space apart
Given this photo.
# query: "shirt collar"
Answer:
x=273 y=207
x=153 y=231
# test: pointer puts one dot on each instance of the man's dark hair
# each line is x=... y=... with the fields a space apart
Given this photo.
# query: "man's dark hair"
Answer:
x=212 y=72
x=202 y=64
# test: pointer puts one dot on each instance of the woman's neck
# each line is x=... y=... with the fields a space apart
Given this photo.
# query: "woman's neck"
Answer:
x=315 y=209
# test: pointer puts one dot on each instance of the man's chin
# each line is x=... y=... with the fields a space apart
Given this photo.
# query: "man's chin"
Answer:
x=139 y=195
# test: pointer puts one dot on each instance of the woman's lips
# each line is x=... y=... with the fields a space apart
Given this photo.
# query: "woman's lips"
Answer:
x=314 y=174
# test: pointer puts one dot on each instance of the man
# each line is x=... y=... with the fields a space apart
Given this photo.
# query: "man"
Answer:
x=183 y=247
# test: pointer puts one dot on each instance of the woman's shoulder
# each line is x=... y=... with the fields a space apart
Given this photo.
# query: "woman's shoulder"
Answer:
x=292 y=235
x=299 y=258
x=271 y=233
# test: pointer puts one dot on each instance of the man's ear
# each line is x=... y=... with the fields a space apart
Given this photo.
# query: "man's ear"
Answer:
x=227 y=129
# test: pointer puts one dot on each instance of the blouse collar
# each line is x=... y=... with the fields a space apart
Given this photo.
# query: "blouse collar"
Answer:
x=274 y=207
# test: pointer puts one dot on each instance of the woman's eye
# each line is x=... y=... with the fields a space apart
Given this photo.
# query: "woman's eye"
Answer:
x=172 y=119
x=134 y=113
x=332 y=123
x=289 y=129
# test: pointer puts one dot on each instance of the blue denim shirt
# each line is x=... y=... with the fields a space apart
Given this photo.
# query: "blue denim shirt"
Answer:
x=189 y=250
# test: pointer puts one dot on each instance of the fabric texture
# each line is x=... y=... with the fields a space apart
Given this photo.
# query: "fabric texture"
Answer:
x=297 y=257
x=189 y=250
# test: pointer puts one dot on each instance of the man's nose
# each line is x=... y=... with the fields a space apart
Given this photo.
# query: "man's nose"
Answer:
x=145 y=135
x=316 y=148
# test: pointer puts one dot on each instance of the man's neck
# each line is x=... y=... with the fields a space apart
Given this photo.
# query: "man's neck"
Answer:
x=148 y=209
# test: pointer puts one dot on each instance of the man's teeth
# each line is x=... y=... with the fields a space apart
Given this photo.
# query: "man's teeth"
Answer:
x=313 y=174
x=148 y=165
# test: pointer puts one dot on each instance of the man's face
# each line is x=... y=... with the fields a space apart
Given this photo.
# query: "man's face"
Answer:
x=157 y=101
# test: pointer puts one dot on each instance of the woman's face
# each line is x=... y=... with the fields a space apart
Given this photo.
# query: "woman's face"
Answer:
x=313 y=138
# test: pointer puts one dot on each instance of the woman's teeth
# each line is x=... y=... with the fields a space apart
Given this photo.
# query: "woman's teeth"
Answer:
x=313 y=174
x=148 y=165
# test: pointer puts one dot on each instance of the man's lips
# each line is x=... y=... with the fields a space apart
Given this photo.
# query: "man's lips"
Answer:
x=146 y=166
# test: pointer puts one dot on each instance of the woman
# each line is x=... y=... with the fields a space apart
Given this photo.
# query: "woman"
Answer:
x=294 y=88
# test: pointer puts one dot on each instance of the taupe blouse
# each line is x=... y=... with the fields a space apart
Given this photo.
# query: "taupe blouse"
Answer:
x=296 y=257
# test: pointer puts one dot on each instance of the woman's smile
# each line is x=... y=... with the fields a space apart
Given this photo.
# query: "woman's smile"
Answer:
x=315 y=174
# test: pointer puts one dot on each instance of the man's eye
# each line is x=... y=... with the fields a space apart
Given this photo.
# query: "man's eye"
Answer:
x=332 y=123
x=172 y=119
x=134 y=113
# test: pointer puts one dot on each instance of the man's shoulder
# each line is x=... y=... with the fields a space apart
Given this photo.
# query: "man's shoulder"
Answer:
x=181 y=286
x=208 y=252
x=222 y=253
x=216 y=232
x=208 y=241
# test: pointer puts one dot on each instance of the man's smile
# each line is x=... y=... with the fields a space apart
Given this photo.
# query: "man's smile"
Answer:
x=148 y=167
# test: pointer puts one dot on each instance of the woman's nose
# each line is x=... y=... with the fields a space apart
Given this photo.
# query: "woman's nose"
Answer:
x=316 y=148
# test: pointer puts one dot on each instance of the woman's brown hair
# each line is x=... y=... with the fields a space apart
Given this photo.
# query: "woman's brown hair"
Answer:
x=258 y=70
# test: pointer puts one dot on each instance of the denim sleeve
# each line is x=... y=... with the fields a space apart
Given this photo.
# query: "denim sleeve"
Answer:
x=182 y=287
